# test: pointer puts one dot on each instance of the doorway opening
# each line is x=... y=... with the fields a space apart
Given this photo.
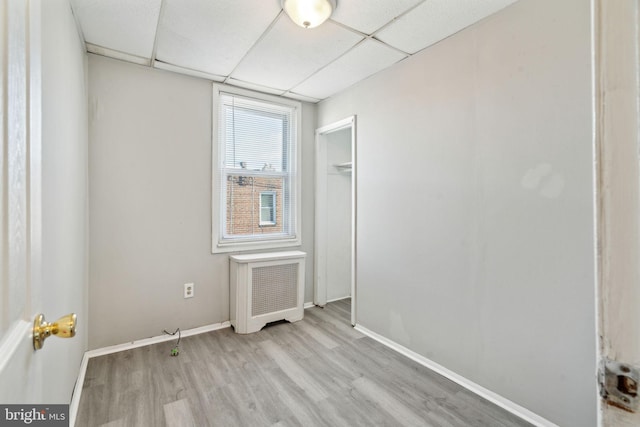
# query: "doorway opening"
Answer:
x=335 y=241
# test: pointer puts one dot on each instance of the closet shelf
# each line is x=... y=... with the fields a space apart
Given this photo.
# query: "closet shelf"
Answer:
x=344 y=167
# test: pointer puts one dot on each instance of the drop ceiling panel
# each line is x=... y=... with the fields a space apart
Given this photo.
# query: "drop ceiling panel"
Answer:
x=288 y=54
x=121 y=25
x=367 y=58
x=435 y=20
x=211 y=36
x=368 y=16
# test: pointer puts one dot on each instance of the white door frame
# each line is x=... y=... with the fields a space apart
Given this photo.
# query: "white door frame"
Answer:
x=616 y=28
x=319 y=284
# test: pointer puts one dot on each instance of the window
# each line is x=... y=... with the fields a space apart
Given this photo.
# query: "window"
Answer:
x=255 y=201
x=268 y=208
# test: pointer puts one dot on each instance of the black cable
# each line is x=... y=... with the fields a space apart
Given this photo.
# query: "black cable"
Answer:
x=174 y=351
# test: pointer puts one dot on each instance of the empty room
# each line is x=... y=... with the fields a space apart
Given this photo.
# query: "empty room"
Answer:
x=320 y=212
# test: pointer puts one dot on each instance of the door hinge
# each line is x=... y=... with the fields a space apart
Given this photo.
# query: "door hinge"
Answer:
x=619 y=384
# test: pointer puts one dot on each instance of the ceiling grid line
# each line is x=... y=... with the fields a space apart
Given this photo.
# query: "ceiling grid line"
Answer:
x=396 y=18
x=155 y=38
x=262 y=36
x=290 y=90
x=78 y=26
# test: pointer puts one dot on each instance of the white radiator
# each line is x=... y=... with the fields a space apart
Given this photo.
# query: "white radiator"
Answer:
x=265 y=288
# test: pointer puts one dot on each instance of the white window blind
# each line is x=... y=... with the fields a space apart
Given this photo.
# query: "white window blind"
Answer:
x=257 y=167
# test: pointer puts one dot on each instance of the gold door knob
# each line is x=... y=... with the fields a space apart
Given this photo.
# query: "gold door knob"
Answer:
x=64 y=327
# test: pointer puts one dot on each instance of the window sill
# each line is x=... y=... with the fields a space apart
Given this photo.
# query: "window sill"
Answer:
x=226 y=247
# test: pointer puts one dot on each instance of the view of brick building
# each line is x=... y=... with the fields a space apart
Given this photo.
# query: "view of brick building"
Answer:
x=254 y=205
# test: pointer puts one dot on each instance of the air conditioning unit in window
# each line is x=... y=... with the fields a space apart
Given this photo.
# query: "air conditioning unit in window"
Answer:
x=265 y=288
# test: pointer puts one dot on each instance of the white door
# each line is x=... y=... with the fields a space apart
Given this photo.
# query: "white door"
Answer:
x=20 y=368
x=32 y=262
x=335 y=234
x=617 y=133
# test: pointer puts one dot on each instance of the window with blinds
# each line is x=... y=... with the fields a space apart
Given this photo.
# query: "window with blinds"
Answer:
x=256 y=168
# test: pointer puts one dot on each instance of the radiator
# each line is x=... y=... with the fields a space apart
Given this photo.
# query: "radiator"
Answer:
x=265 y=288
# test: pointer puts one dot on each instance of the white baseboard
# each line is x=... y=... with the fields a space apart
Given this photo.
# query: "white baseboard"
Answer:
x=492 y=397
x=155 y=340
x=77 y=391
x=308 y=305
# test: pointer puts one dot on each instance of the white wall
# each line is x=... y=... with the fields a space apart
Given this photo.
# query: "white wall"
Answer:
x=64 y=193
x=483 y=259
x=338 y=203
x=150 y=205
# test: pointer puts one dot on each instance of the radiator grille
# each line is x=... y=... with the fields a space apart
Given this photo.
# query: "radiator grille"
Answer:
x=274 y=288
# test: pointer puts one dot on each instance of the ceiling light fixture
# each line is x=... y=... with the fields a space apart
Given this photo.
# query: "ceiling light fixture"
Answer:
x=309 y=13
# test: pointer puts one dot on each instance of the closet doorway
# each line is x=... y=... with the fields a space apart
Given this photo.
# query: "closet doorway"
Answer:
x=335 y=233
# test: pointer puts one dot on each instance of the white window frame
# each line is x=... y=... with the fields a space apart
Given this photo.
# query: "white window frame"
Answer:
x=273 y=208
x=218 y=206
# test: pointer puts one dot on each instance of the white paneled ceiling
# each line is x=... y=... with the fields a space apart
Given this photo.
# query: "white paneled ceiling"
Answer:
x=211 y=36
x=121 y=25
x=253 y=44
x=288 y=54
x=367 y=58
x=433 y=20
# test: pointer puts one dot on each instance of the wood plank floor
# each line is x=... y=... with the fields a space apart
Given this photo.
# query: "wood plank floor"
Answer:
x=315 y=372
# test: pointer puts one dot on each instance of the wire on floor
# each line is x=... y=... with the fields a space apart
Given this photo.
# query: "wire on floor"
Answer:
x=175 y=350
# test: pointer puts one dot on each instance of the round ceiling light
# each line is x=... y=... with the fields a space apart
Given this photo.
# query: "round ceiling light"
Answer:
x=309 y=13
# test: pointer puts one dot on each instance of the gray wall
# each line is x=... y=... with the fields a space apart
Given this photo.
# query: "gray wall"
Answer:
x=482 y=259
x=64 y=193
x=150 y=204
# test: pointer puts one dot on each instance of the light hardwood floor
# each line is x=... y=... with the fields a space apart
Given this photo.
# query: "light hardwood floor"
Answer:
x=315 y=372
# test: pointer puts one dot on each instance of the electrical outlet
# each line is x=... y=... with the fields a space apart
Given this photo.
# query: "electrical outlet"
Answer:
x=189 y=290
